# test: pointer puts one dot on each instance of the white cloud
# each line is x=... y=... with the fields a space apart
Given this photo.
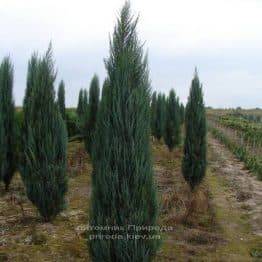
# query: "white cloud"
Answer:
x=189 y=32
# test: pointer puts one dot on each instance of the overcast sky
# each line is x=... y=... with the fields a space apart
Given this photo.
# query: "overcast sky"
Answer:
x=223 y=38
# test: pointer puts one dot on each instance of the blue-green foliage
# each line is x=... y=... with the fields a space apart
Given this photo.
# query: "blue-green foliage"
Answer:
x=8 y=139
x=1 y=142
x=153 y=115
x=91 y=115
x=182 y=113
x=172 y=129
x=82 y=113
x=85 y=100
x=160 y=117
x=105 y=87
x=80 y=106
x=30 y=82
x=43 y=167
x=61 y=99
x=123 y=191
x=194 y=161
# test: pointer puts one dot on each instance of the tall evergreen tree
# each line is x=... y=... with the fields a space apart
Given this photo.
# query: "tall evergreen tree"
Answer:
x=160 y=116
x=172 y=121
x=105 y=87
x=44 y=164
x=31 y=75
x=83 y=113
x=194 y=161
x=122 y=180
x=85 y=100
x=182 y=113
x=80 y=105
x=177 y=120
x=61 y=99
x=32 y=68
x=7 y=124
x=153 y=114
x=2 y=147
x=92 y=113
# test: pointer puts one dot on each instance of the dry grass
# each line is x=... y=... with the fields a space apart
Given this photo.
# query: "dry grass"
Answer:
x=198 y=221
x=194 y=231
x=29 y=239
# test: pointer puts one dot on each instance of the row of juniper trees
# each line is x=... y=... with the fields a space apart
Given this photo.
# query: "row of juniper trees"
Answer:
x=167 y=118
x=116 y=133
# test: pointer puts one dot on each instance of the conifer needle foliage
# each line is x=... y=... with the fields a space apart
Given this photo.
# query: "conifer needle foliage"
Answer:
x=123 y=191
x=182 y=113
x=85 y=100
x=7 y=123
x=160 y=116
x=30 y=82
x=61 y=99
x=194 y=161
x=1 y=143
x=105 y=87
x=92 y=113
x=80 y=105
x=172 y=132
x=154 y=114
x=45 y=139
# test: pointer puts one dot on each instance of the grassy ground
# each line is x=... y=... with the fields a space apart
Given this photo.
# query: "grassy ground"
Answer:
x=206 y=225
x=237 y=199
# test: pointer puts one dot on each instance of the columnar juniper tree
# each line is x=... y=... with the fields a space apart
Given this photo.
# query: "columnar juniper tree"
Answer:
x=27 y=102
x=105 y=87
x=80 y=107
x=160 y=116
x=92 y=113
x=178 y=122
x=153 y=106
x=85 y=100
x=44 y=166
x=1 y=142
x=61 y=99
x=83 y=112
x=31 y=75
x=194 y=161
x=123 y=191
x=182 y=113
x=7 y=124
x=172 y=121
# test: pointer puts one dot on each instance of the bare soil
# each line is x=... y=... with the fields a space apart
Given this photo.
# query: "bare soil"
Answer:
x=243 y=185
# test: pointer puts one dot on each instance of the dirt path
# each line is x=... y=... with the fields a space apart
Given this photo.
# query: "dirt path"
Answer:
x=245 y=187
x=237 y=199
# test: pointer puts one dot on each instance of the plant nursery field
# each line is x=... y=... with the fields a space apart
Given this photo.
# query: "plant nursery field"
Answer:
x=101 y=161
x=224 y=222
